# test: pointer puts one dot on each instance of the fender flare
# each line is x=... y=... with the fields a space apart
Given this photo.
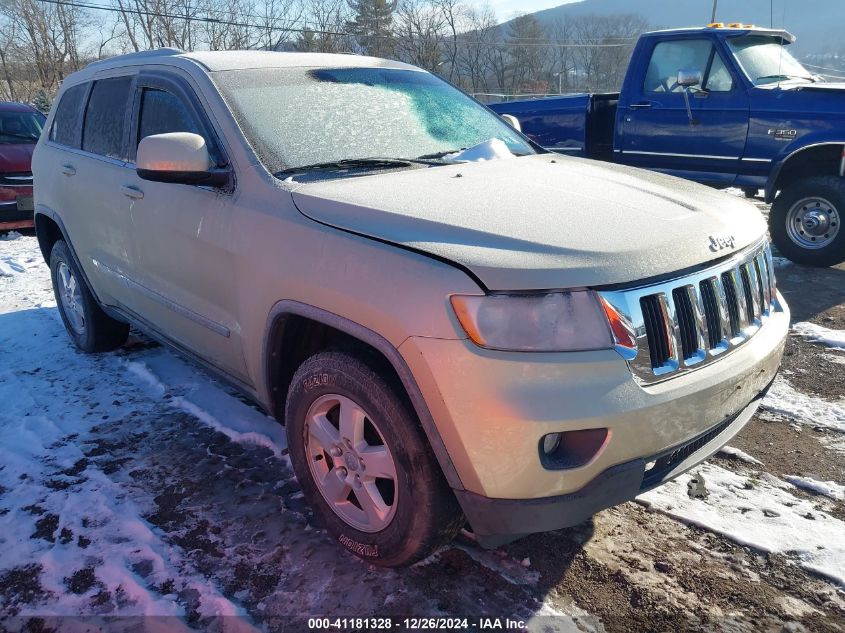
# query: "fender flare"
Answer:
x=788 y=154
x=383 y=346
x=41 y=210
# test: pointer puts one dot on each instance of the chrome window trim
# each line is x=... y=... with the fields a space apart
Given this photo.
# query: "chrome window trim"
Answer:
x=627 y=303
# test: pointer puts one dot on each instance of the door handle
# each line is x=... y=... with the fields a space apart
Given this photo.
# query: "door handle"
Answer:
x=641 y=104
x=68 y=170
x=131 y=191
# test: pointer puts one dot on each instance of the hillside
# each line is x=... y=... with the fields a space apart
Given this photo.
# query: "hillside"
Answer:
x=817 y=24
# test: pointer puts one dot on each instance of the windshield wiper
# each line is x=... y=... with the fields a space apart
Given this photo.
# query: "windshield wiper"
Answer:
x=349 y=163
x=436 y=155
x=786 y=77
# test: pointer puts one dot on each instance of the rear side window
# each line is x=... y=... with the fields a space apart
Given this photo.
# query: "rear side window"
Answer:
x=65 y=128
x=105 y=117
x=163 y=112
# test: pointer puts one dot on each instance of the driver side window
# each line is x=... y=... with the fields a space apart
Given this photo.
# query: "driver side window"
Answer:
x=163 y=112
x=668 y=58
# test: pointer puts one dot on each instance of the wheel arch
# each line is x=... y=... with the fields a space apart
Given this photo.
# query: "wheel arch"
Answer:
x=48 y=230
x=296 y=331
x=816 y=159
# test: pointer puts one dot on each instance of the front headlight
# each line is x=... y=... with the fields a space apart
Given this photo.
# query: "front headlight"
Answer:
x=553 y=322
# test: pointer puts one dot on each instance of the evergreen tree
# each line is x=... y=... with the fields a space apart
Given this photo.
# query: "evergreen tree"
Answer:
x=42 y=101
x=372 y=22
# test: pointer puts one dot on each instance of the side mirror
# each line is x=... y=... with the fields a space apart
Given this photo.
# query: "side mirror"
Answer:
x=177 y=157
x=512 y=121
x=689 y=78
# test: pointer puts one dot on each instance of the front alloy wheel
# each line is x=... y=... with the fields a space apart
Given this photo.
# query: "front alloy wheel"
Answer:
x=364 y=462
x=350 y=463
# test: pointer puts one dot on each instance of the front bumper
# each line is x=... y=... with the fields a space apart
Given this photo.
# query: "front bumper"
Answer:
x=499 y=521
x=16 y=208
x=493 y=408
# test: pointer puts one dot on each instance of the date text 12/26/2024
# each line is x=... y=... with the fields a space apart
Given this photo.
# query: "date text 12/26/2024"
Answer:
x=415 y=624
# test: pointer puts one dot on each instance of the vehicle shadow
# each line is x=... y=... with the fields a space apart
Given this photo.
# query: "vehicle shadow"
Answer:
x=810 y=291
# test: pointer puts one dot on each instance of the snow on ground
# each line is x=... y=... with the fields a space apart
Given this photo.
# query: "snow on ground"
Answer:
x=163 y=373
x=834 y=339
x=132 y=484
x=827 y=488
x=742 y=456
x=759 y=512
x=63 y=520
x=785 y=401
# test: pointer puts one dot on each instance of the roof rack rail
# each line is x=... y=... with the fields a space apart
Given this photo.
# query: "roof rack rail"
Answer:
x=156 y=52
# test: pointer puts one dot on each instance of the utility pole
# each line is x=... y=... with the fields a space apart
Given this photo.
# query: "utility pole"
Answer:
x=715 y=6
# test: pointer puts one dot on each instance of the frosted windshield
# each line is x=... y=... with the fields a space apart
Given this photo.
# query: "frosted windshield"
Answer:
x=303 y=116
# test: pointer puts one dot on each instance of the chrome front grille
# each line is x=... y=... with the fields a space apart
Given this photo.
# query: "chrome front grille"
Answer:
x=691 y=321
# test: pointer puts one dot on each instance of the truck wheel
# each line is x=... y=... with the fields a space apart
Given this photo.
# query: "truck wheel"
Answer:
x=806 y=218
x=91 y=329
x=364 y=464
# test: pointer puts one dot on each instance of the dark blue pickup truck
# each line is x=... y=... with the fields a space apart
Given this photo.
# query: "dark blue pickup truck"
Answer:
x=725 y=106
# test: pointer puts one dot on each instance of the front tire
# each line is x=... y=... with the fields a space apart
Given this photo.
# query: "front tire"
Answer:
x=364 y=463
x=806 y=218
x=91 y=329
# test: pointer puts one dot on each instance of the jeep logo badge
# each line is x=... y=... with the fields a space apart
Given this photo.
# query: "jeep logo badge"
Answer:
x=718 y=242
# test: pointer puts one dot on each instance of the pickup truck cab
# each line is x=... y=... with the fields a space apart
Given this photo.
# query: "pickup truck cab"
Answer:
x=724 y=106
x=504 y=342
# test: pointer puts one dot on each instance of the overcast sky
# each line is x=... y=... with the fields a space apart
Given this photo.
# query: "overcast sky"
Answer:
x=506 y=9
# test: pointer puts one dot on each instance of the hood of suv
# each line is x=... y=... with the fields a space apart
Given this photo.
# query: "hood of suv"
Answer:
x=540 y=222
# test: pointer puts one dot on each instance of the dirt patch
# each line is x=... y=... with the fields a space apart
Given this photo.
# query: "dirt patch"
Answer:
x=21 y=586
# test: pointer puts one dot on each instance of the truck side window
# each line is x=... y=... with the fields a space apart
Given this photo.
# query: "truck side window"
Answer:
x=65 y=128
x=719 y=78
x=163 y=112
x=668 y=58
x=105 y=117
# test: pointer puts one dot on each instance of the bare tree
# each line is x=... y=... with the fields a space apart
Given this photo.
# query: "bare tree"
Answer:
x=419 y=27
x=475 y=48
x=325 y=20
x=527 y=48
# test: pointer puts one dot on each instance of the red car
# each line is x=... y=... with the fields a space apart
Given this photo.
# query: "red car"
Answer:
x=20 y=127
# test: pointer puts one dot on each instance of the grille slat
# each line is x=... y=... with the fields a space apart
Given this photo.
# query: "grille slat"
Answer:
x=732 y=301
x=711 y=312
x=687 y=326
x=762 y=282
x=655 y=330
x=749 y=288
x=692 y=320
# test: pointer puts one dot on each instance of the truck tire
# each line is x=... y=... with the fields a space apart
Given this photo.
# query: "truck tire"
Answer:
x=364 y=463
x=91 y=329
x=806 y=218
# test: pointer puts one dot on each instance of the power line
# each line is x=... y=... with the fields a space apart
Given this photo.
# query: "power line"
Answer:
x=513 y=42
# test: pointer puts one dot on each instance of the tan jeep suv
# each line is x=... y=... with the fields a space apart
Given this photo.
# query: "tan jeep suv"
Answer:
x=513 y=343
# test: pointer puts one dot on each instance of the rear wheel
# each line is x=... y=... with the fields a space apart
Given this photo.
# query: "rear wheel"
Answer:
x=806 y=221
x=91 y=329
x=364 y=463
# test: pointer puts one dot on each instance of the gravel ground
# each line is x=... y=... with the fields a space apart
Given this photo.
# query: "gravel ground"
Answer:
x=132 y=485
